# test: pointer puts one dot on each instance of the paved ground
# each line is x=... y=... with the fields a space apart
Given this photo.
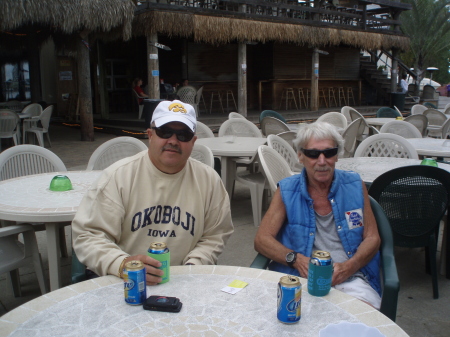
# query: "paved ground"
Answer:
x=418 y=314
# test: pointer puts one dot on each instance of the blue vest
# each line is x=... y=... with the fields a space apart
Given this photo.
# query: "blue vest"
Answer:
x=299 y=230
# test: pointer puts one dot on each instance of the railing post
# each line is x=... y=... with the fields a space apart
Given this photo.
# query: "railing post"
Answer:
x=153 y=66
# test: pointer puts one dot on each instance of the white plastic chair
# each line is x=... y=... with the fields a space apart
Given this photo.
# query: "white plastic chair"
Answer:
x=9 y=125
x=288 y=136
x=235 y=115
x=286 y=151
x=435 y=121
x=420 y=122
x=196 y=104
x=273 y=126
x=44 y=118
x=203 y=154
x=239 y=127
x=13 y=256
x=406 y=130
x=334 y=118
x=345 y=110
x=273 y=165
x=35 y=110
x=386 y=145
x=203 y=131
x=418 y=109
x=350 y=134
x=187 y=95
x=141 y=106
x=445 y=129
x=113 y=150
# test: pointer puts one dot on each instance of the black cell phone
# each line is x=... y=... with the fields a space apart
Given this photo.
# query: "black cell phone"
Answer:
x=163 y=303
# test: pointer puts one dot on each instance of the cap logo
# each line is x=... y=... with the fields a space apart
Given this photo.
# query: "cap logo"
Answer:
x=177 y=107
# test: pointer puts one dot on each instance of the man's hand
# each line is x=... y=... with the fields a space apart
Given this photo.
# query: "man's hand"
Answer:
x=153 y=274
x=302 y=265
x=340 y=273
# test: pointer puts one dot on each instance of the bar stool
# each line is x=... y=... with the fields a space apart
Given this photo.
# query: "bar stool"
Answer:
x=230 y=96
x=323 y=97
x=288 y=95
x=341 y=96
x=350 y=95
x=302 y=97
x=332 y=97
x=216 y=97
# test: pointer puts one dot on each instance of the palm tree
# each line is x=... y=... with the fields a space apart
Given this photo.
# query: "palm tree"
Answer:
x=428 y=26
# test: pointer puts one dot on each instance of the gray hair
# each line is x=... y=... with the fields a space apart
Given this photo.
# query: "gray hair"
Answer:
x=317 y=130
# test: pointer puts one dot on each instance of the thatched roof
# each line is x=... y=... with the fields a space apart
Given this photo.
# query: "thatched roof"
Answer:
x=68 y=16
x=221 y=30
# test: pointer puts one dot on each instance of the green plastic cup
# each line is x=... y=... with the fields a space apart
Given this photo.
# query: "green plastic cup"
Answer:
x=429 y=162
x=60 y=183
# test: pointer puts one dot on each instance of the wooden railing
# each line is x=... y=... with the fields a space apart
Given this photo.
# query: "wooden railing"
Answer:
x=353 y=14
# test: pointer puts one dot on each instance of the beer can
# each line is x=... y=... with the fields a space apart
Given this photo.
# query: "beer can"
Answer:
x=320 y=273
x=135 y=289
x=289 y=299
x=160 y=252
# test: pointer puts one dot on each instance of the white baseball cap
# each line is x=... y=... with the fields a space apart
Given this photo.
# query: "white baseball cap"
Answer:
x=174 y=111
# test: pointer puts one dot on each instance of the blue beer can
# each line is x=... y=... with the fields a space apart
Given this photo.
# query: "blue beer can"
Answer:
x=289 y=299
x=135 y=289
x=320 y=273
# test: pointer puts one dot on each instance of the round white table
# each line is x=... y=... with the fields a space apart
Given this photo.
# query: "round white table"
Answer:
x=97 y=308
x=378 y=121
x=229 y=148
x=431 y=147
x=29 y=199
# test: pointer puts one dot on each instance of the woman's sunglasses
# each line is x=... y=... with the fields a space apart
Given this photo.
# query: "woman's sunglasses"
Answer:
x=328 y=153
x=165 y=132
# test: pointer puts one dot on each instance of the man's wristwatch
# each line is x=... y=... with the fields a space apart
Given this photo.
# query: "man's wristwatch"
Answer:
x=290 y=258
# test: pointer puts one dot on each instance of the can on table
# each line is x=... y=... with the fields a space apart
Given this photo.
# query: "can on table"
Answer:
x=289 y=299
x=320 y=273
x=135 y=289
x=160 y=252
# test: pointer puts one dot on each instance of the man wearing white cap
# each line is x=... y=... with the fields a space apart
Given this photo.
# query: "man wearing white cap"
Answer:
x=161 y=195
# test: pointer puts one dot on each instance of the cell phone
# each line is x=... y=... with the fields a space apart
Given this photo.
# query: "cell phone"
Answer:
x=163 y=303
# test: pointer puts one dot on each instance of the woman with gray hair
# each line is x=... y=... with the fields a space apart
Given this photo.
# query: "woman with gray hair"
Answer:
x=323 y=209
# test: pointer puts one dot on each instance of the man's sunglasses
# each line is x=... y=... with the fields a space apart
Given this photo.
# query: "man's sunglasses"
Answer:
x=328 y=153
x=165 y=132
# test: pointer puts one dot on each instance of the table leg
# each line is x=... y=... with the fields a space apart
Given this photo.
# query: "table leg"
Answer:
x=228 y=173
x=54 y=262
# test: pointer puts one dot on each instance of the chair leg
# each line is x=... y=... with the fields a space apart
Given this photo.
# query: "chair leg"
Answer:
x=62 y=242
x=256 y=194
x=14 y=281
x=433 y=267
x=48 y=138
x=30 y=239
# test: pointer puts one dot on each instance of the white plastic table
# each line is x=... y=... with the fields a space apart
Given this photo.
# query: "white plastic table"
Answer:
x=28 y=198
x=229 y=148
x=378 y=122
x=431 y=147
x=97 y=308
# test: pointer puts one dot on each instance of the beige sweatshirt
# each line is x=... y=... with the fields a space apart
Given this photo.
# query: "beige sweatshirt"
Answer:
x=134 y=204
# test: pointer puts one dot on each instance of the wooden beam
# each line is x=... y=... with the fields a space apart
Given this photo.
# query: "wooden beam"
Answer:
x=315 y=81
x=153 y=67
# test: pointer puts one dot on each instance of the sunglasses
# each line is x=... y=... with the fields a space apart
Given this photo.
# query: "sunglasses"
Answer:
x=165 y=132
x=328 y=153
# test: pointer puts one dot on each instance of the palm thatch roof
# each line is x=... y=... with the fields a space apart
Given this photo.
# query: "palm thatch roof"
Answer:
x=68 y=16
x=221 y=30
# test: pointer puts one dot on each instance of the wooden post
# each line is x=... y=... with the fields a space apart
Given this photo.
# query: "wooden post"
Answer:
x=153 y=67
x=315 y=81
x=84 y=88
x=242 y=74
x=184 y=61
x=394 y=70
x=34 y=66
x=103 y=91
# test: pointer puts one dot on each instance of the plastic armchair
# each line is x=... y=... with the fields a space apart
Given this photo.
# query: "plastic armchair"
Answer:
x=420 y=122
x=447 y=109
x=203 y=131
x=391 y=283
x=44 y=118
x=415 y=198
x=430 y=105
x=12 y=256
x=286 y=151
x=273 y=126
x=436 y=120
x=196 y=103
x=239 y=127
x=140 y=106
x=350 y=134
x=203 y=154
x=418 y=109
x=275 y=168
x=271 y=113
x=406 y=130
x=445 y=129
x=334 y=118
x=113 y=150
x=386 y=145
x=187 y=95
x=386 y=112
x=345 y=110
x=235 y=115
x=9 y=125
x=288 y=136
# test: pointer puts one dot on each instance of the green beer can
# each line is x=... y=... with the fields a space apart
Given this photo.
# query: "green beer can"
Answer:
x=160 y=252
